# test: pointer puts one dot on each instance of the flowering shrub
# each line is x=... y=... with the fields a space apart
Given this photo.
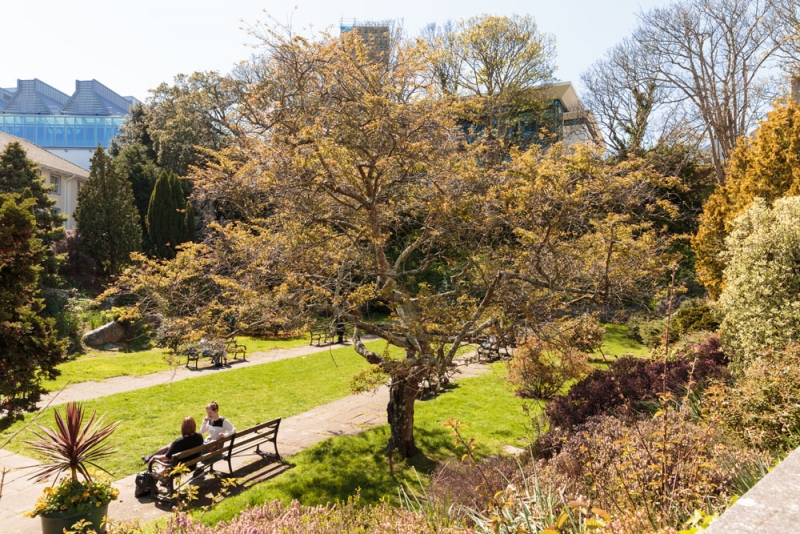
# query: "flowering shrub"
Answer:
x=630 y=385
x=347 y=518
x=558 y=354
x=73 y=496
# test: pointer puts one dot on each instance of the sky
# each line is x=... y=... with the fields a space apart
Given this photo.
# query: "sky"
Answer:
x=134 y=46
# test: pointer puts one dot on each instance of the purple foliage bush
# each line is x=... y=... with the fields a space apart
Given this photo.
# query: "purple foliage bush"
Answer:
x=78 y=261
x=630 y=384
x=275 y=518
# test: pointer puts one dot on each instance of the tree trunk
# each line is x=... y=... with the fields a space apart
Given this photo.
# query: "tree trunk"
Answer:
x=402 y=394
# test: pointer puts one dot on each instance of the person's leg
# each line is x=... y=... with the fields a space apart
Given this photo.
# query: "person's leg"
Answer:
x=163 y=450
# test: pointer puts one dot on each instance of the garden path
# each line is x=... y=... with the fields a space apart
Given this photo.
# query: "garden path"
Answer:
x=82 y=391
x=347 y=416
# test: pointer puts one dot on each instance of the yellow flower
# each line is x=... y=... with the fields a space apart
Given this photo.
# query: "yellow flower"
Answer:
x=85 y=494
x=97 y=504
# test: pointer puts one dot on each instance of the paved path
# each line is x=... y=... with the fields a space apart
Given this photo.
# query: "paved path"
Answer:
x=82 y=391
x=347 y=416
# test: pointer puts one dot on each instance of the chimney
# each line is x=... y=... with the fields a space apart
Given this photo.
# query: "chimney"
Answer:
x=796 y=88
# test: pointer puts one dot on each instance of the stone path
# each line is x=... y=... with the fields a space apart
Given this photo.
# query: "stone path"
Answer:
x=347 y=416
x=82 y=391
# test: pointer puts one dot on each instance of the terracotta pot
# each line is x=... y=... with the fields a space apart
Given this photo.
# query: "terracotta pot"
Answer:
x=57 y=522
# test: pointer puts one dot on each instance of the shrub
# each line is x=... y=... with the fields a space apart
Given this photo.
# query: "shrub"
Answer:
x=693 y=317
x=275 y=518
x=78 y=262
x=630 y=385
x=555 y=356
x=760 y=298
x=763 y=407
x=653 y=472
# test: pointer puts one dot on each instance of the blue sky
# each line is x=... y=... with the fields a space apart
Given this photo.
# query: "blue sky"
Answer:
x=133 y=46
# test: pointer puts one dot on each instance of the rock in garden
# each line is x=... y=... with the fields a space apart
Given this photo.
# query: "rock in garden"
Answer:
x=112 y=332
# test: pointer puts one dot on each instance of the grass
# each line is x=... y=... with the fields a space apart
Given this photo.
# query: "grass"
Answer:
x=101 y=365
x=617 y=343
x=151 y=417
x=336 y=468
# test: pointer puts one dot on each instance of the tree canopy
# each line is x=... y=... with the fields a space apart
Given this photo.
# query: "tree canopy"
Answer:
x=170 y=217
x=29 y=349
x=106 y=215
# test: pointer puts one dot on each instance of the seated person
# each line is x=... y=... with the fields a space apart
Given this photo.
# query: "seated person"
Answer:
x=189 y=439
x=216 y=426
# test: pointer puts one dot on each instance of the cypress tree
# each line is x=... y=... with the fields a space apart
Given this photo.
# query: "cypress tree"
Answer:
x=106 y=215
x=29 y=350
x=20 y=175
x=142 y=173
x=170 y=218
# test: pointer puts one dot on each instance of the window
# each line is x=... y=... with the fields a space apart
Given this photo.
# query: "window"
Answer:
x=55 y=182
x=80 y=184
x=57 y=211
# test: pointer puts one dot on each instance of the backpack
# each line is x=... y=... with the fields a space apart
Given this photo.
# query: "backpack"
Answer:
x=145 y=485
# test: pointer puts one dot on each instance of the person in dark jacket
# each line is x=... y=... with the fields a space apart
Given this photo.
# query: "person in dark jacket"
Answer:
x=189 y=439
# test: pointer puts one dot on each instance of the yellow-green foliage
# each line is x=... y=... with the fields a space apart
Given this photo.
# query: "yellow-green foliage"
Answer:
x=766 y=166
x=763 y=407
x=761 y=298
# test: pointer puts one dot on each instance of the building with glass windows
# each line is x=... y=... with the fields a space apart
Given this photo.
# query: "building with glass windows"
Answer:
x=69 y=126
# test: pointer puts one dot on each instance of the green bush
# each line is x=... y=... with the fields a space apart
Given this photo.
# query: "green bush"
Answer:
x=695 y=317
x=763 y=407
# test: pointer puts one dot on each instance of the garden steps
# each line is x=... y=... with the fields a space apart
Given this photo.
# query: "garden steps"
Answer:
x=343 y=417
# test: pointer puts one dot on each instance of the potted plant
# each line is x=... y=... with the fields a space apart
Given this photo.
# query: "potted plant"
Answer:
x=71 y=447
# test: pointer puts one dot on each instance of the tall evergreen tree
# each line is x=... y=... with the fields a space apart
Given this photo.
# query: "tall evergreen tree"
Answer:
x=21 y=176
x=142 y=173
x=29 y=350
x=106 y=215
x=170 y=217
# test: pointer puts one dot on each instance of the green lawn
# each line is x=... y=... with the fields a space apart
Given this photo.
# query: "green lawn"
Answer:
x=151 y=417
x=101 y=364
x=335 y=468
x=617 y=343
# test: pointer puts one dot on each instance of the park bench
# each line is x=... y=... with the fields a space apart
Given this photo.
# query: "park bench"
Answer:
x=224 y=449
x=326 y=333
x=491 y=348
x=216 y=350
x=235 y=349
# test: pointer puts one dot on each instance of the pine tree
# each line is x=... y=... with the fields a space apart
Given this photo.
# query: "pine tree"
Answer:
x=29 y=350
x=106 y=215
x=170 y=217
x=21 y=176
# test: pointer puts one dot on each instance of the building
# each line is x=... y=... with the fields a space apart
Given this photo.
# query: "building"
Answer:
x=68 y=126
x=376 y=36
x=575 y=124
x=63 y=176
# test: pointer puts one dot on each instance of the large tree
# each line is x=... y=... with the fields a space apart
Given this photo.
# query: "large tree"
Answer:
x=142 y=173
x=29 y=349
x=170 y=217
x=764 y=166
x=106 y=215
x=20 y=175
x=178 y=121
x=715 y=54
x=364 y=191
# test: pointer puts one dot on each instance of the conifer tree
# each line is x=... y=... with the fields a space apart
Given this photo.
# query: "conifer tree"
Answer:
x=106 y=215
x=29 y=349
x=170 y=218
x=765 y=166
x=21 y=176
x=142 y=173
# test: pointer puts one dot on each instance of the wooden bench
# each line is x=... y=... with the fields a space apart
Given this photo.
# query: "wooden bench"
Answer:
x=215 y=451
x=493 y=348
x=327 y=333
x=236 y=349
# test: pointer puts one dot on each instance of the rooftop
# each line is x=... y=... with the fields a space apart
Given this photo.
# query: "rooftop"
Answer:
x=43 y=157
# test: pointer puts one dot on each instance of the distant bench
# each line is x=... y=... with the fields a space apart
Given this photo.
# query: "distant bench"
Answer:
x=326 y=333
x=215 y=451
x=216 y=351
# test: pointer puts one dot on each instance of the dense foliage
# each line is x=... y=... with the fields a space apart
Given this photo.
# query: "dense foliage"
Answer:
x=21 y=176
x=763 y=166
x=142 y=173
x=630 y=385
x=106 y=215
x=29 y=350
x=760 y=298
x=170 y=217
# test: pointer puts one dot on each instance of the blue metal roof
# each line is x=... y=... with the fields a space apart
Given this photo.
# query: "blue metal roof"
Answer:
x=37 y=98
